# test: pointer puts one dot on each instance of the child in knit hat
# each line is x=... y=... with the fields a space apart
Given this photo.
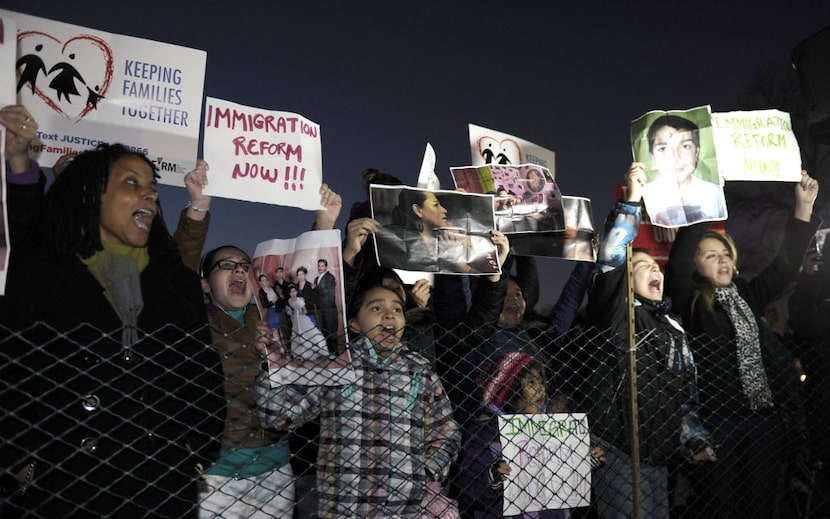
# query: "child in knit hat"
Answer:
x=516 y=385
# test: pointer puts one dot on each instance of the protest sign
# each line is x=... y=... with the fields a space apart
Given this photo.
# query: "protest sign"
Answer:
x=576 y=242
x=5 y=249
x=8 y=54
x=262 y=155
x=526 y=197
x=85 y=87
x=433 y=231
x=492 y=147
x=756 y=145
x=678 y=151
x=427 y=179
x=549 y=457
x=409 y=277
x=657 y=240
x=298 y=287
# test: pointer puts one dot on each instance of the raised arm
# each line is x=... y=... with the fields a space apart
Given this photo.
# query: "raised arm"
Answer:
x=20 y=130
x=194 y=220
x=564 y=312
x=800 y=229
x=624 y=222
x=606 y=302
x=489 y=295
x=24 y=178
x=327 y=217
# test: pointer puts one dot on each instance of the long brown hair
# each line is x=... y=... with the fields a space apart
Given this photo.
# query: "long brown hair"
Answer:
x=703 y=287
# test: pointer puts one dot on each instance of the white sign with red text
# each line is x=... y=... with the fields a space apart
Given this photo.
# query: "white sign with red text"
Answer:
x=262 y=155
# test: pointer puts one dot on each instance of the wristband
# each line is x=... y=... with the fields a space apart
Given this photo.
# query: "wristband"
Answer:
x=197 y=209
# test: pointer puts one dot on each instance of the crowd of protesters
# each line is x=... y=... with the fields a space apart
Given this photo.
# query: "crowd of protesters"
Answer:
x=141 y=380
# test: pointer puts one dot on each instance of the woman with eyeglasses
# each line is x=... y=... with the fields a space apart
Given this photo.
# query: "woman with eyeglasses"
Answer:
x=113 y=403
x=253 y=476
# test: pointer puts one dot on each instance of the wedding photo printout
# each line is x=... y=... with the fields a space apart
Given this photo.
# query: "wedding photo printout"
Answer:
x=298 y=287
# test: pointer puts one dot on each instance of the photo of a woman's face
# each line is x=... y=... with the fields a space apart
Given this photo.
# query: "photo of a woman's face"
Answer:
x=535 y=181
x=431 y=213
x=675 y=152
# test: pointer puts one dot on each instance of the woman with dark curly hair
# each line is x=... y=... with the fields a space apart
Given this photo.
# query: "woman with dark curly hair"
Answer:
x=117 y=396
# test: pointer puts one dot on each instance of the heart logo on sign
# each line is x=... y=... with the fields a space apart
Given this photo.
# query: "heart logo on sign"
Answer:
x=494 y=152
x=71 y=77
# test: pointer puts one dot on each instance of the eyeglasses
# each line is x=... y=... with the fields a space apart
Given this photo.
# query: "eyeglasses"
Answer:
x=226 y=264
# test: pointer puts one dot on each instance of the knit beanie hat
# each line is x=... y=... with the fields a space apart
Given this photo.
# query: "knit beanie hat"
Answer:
x=505 y=371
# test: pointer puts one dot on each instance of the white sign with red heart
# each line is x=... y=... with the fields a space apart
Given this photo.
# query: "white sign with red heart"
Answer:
x=493 y=147
x=70 y=77
x=85 y=87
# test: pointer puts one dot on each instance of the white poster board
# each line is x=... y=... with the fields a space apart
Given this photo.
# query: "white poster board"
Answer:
x=493 y=147
x=84 y=87
x=427 y=179
x=8 y=55
x=756 y=145
x=5 y=249
x=262 y=155
x=550 y=459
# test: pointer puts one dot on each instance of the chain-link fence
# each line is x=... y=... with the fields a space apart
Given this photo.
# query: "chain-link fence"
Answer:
x=91 y=429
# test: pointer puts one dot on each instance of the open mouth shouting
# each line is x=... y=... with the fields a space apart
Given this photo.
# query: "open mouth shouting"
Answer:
x=143 y=218
x=237 y=285
x=655 y=285
x=388 y=334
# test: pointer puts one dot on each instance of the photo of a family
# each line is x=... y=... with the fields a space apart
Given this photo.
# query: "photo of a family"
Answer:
x=300 y=295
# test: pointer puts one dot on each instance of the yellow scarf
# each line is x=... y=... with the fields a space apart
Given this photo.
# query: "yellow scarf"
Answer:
x=139 y=254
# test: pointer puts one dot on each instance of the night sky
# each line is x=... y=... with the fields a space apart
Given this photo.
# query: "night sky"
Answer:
x=384 y=78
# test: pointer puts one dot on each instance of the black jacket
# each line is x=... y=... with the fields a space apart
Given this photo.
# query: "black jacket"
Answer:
x=720 y=383
x=666 y=373
x=113 y=431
